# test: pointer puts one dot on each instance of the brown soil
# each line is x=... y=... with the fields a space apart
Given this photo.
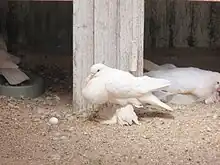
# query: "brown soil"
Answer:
x=190 y=135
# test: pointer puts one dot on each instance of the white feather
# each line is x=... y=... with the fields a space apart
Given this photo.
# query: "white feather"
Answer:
x=120 y=87
x=188 y=84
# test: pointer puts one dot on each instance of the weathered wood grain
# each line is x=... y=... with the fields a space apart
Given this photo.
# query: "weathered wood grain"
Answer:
x=125 y=32
x=181 y=23
x=202 y=20
x=105 y=31
x=140 y=36
x=83 y=48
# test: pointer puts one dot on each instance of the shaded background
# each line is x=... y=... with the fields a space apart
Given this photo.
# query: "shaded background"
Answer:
x=176 y=31
x=183 y=33
x=44 y=26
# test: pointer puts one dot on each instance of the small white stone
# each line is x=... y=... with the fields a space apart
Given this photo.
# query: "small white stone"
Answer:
x=215 y=116
x=53 y=120
x=57 y=134
x=63 y=138
x=70 y=129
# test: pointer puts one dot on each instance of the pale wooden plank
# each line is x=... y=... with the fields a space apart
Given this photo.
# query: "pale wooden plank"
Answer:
x=105 y=32
x=125 y=37
x=140 y=37
x=118 y=26
x=113 y=32
x=82 y=48
x=134 y=50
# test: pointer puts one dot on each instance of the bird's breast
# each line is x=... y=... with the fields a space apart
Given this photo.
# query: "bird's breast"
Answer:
x=95 y=92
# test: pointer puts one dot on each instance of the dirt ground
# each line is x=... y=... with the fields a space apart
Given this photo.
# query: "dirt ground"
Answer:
x=190 y=135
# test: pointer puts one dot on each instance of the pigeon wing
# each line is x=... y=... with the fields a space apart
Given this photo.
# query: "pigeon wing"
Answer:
x=120 y=86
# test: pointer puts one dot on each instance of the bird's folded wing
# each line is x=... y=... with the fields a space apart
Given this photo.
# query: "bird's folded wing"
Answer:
x=134 y=87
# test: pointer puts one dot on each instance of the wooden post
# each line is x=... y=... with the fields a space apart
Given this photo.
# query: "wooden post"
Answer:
x=138 y=33
x=83 y=47
x=115 y=37
x=105 y=32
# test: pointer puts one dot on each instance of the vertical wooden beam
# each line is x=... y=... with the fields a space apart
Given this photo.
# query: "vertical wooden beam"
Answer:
x=83 y=44
x=105 y=26
x=105 y=31
x=136 y=59
x=134 y=49
x=140 y=36
x=125 y=33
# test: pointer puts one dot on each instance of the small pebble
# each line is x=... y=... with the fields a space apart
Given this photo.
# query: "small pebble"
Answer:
x=48 y=98
x=209 y=129
x=57 y=134
x=55 y=138
x=215 y=116
x=36 y=120
x=71 y=129
x=43 y=134
x=63 y=138
x=40 y=110
x=146 y=136
x=28 y=106
x=53 y=120
x=55 y=157
x=57 y=98
x=71 y=118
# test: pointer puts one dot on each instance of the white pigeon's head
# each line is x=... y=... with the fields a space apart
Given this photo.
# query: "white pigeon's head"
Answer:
x=96 y=70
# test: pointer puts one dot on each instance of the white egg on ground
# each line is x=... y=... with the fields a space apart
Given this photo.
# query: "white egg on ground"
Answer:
x=53 y=120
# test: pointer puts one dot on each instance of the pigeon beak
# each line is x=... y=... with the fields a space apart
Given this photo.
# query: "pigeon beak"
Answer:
x=218 y=89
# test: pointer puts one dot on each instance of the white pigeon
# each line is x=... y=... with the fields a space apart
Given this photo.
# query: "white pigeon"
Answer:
x=149 y=66
x=106 y=84
x=188 y=84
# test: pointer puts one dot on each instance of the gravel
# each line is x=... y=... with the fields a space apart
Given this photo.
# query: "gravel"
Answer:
x=189 y=135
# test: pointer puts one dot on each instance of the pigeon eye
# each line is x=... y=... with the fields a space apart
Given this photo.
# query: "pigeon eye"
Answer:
x=217 y=82
x=98 y=70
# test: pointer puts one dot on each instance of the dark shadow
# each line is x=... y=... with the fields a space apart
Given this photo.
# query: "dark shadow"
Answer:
x=153 y=114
